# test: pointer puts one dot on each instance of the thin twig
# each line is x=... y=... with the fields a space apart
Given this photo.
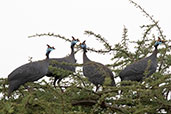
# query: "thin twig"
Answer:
x=50 y=34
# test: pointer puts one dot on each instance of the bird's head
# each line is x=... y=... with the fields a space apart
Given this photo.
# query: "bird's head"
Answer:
x=158 y=42
x=74 y=41
x=83 y=46
x=50 y=48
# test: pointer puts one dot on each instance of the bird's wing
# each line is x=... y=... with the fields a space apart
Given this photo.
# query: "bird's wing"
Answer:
x=29 y=72
x=136 y=68
x=95 y=69
x=63 y=63
x=97 y=73
x=94 y=72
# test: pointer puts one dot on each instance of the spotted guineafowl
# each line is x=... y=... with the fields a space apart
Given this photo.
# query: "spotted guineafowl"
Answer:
x=136 y=70
x=65 y=63
x=29 y=72
x=96 y=72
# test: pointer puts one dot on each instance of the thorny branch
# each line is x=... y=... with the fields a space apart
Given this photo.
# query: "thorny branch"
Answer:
x=78 y=87
x=91 y=102
x=100 y=38
x=50 y=34
x=149 y=28
x=66 y=39
x=158 y=27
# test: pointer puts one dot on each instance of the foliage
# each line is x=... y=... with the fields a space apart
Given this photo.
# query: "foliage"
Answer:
x=150 y=96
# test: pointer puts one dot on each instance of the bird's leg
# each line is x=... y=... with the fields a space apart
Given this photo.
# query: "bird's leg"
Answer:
x=10 y=90
x=97 y=87
x=54 y=83
x=58 y=82
x=9 y=93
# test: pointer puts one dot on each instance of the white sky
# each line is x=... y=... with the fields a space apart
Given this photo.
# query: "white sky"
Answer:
x=21 y=18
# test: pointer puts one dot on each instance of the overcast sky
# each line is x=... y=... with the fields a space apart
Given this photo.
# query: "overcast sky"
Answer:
x=22 y=18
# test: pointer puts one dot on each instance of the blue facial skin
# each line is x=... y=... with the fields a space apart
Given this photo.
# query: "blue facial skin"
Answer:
x=83 y=46
x=157 y=43
x=49 y=50
x=74 y=42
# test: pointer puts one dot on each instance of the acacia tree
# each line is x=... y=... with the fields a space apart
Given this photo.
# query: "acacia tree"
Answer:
x=151 y=96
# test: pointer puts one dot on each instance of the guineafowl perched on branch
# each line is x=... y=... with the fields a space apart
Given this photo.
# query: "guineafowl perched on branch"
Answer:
x=96 y=72
x=66 y=63
x=136 y=71
x=29 y=72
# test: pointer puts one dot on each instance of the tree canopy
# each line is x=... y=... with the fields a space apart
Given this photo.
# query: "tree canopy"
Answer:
x=151 y=96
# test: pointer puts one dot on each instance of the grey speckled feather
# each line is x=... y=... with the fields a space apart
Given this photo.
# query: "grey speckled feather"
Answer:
x=29 y=72
x=68 y=59
x=136 y=71
x=96 y=72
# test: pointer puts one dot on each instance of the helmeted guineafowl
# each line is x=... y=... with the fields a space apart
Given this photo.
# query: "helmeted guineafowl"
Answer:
x=65 y=63
x=96 y=72
x=136 y=71
x=29 y=72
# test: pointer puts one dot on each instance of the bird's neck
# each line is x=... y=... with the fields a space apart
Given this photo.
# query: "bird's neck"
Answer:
x=155 y=52
x=47 y=55
x=72 y=51
x=85 y=58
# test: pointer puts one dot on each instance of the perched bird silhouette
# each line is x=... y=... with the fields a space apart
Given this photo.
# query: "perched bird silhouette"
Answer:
x=29 y=72
x=136 y=71
x=65 y=63
x=96 y=72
